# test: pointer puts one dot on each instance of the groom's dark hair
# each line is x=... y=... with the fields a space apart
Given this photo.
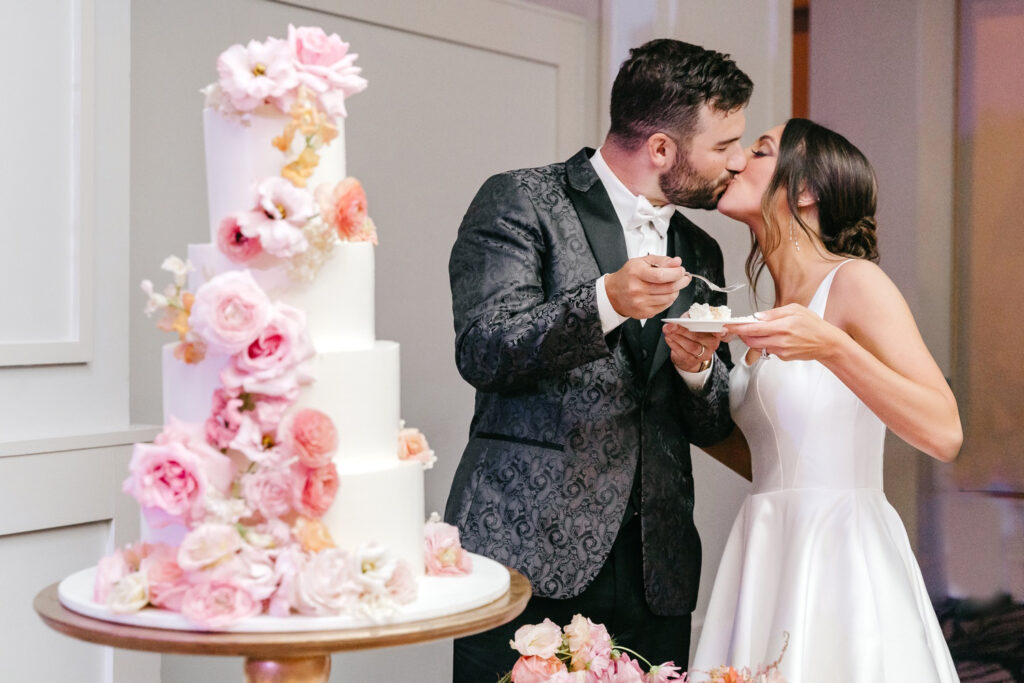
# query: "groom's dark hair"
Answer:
x=664 y=84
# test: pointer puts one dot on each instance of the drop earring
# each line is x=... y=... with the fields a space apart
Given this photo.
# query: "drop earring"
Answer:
x=792 y=235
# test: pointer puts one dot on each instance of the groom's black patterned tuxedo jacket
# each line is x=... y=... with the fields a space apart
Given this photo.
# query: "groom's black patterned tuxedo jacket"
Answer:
x=563 y=413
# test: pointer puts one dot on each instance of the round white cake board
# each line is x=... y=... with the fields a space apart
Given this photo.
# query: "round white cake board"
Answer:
x=438 y=596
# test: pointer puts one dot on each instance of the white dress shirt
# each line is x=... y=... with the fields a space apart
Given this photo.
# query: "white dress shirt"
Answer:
x=639 y=242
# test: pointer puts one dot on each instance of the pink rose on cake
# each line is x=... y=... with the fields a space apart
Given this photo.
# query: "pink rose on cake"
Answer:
x=315 y=489
x=225 y=417
x=218 y=604
x=270 y=491
x=208 y=545
x=281 y=210
x=258 y=73
x=170 y=481
x=310 y=436
x=272 y=364
x=443 y=551
x=412 y=445
x=325 y=66
x=344 y=208
x=325 y=583
x=230 y=311
x=234 y=243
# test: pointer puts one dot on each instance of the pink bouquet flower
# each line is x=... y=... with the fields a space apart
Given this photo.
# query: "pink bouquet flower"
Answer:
x=580 y=652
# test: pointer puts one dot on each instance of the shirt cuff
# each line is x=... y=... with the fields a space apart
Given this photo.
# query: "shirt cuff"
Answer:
x=697 y=380
x=610 y=319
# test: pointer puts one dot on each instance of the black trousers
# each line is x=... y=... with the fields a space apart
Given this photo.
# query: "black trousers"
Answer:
x=615 y=598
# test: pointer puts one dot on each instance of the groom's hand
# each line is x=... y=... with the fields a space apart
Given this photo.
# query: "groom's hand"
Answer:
x=690 y=349
x=646 y=285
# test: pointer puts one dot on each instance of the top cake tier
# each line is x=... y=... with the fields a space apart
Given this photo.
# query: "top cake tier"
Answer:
x=240 y=153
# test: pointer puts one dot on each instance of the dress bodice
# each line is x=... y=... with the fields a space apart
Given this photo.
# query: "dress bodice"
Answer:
x=805 y=428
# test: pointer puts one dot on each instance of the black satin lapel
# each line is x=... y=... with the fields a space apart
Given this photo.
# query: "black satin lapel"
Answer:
x=601 y=225
x=678 y=245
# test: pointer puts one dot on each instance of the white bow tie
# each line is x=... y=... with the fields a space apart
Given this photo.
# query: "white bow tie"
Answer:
x=646 y=213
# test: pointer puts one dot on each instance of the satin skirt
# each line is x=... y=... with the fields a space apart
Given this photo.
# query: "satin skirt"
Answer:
x=833 y=570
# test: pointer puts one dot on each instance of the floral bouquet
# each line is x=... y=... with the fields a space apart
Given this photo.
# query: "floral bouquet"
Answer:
x=583 y=652
x=307 y=77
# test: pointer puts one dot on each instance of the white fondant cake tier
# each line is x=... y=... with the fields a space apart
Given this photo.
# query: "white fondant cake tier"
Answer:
x=238 y=155
x=339 y=304
x=437 y=596
x=359 y=391
x=380 y=504
x=357 y=388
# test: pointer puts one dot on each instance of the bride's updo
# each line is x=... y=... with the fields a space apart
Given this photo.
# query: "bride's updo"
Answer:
x=828 y=167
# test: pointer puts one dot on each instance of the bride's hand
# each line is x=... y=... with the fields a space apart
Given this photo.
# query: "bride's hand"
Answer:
x=791 y=332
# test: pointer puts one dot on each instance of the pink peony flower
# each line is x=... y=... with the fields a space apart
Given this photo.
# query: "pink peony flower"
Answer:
x=270 y=491
x=343 y=207
x=207 y=545
x=272 y=364
x=234 y=244
x=310 y=436
x=444 y=554
x=663 y=673
x=281 y=211
x=218 y=604
x=535 y=669
x=230 y=311
x=541 y=640
x=316 y=489
x=326 y=583
x=252 y=569
x=167 y=580
x=412 y=445
x=258 y=73
x=623 y=669
x=325 y=66
x=109 y=571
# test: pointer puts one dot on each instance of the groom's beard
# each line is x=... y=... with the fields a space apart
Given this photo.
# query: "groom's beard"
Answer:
x=683 y=185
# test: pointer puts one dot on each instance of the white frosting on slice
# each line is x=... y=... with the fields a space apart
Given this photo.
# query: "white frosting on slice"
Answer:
x=237 y=155
x=339 y=304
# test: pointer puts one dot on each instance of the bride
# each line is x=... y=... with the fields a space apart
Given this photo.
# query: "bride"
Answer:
x=816 y=551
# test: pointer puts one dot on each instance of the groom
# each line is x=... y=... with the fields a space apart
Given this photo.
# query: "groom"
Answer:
x=577 y=471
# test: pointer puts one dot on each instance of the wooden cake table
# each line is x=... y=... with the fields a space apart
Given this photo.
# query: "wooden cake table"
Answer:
x=292 y=657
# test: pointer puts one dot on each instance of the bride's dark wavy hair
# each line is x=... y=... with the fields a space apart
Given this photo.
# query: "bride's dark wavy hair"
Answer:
x=831 y=169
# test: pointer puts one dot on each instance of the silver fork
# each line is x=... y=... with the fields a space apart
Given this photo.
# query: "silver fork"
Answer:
x=712 y=285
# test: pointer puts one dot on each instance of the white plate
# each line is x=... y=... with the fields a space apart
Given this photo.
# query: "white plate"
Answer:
x=709 y=325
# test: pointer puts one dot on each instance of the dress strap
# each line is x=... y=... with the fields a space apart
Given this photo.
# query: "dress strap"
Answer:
x=820 y=298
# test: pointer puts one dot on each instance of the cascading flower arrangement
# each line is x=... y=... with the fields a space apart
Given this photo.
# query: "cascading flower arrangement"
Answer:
x=584 y=652
x=249 y=485
x=307 y=77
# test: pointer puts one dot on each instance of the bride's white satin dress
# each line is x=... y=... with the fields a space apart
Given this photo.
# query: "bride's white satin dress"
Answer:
x=816 y=550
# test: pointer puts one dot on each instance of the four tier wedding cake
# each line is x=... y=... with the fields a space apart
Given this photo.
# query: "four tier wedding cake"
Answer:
x=284 y=483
